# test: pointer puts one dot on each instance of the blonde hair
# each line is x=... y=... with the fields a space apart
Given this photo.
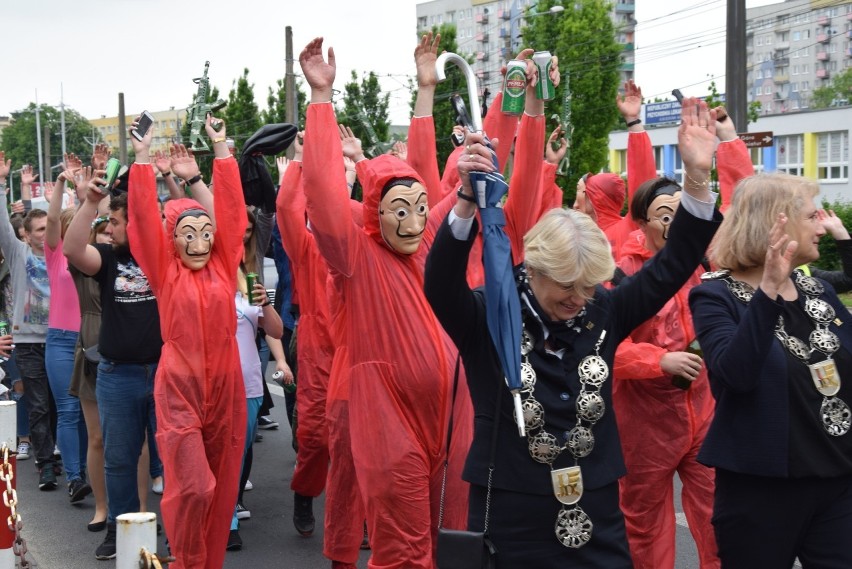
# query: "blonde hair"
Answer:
x=741 y=241
x=568 y=247
x=65 y=218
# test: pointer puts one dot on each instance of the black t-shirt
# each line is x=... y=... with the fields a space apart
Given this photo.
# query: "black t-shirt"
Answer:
x=130 y=319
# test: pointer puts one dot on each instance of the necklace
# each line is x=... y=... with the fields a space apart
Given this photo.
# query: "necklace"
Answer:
x=573 y=526
x=834 y=412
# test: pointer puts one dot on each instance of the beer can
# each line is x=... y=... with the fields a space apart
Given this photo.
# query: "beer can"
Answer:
x=278 y=377
x=514 y=87
x=4 y=331
x=251 y=278
x=544 y=89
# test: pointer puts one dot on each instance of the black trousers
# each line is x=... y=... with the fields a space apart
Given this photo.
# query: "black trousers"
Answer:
x=768 y=522
x=522 y=528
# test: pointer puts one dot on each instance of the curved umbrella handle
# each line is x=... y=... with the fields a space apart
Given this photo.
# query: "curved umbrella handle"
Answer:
x=473 y=95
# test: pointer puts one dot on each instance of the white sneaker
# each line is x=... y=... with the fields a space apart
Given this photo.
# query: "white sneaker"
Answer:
x=242 y=513
x=56 y=451
x=248 y=485
x=157 y=485
x=23 y=450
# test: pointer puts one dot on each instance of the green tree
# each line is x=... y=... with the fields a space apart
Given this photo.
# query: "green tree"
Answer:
x=365 y=111
x=276 y=104
x=838 y=92
x=241 y=115
x=583 y=37
x=20 y=141
x=714 y=99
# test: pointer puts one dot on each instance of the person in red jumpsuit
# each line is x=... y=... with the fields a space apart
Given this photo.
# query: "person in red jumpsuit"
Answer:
x=401 y=360
x=663 y=404
x=199 y=392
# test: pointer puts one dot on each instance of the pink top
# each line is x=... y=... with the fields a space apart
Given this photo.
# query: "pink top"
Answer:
x=64 y=305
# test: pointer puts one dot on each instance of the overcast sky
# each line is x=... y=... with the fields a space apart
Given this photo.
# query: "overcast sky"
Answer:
x=151 y=49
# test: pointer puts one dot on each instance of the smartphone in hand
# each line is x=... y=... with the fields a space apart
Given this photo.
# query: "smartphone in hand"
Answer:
x=145 y=122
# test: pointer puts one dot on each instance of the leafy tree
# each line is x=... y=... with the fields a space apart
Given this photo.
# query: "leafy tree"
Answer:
x=583 y=37
x=276 y=104
x=241 y=115
x=714 y=99
x=838 y=92
x=365 y=111
x=20 y=141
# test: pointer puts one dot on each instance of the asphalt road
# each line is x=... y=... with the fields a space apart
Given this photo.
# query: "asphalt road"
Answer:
x=56 y=534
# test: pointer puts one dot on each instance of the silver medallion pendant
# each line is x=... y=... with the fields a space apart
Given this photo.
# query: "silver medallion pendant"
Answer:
x=590 y=406
x=809 y=285
x=593 y=370
x=527 y=343
x=573 y=527
x=533 y=414
x=825 y=377
x=819 y=310
x=797 y=347
x=836 y=416
x=715 y=275
x=581 y=441
x=544 y=448
x=741 y=291
x=527 y=376
x=824 y=340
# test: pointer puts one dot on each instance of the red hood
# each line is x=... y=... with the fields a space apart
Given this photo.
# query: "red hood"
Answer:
x=172 y=211
x=606 y=192
x=373 y=175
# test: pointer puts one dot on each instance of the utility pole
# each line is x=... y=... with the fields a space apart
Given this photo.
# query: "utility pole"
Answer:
x=291 y=112
x=122 y=131
x=46 y=174
x=62 y=118
x=38 y=140
x=736 y=96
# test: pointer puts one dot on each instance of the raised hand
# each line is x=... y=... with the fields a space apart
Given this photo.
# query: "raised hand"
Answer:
x=100 y=156
x=215 y=127
x=5 y=166
x=555 y=76
x=630 y=103
x=47 y=188
x=298 y=145
x=832 y=224
x=183 y=162
x=318 y=73
x=400 y=150
x=778 y=263
x=555 y=156
x=163 y=162
x=82 y=177
x=351 y=145
x=425 y=56
x=27 y=176
x=141 y=147
x=725 y=129
x=95 y=188
x=283 y=163
x=696 y=137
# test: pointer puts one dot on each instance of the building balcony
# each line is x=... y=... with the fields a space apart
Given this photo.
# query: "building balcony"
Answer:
x=505 y=53
x=481 y=56
x=781 y=61
x=504 y=14
x=823 y=73
x=627 y=66
x=823 y=21
x=505 y=33
x=628 y=46
x=625 y=8
x=482 y=37
x=781 y=78
x=822 y=56
x=823 y=38
x=481 y=18
x=781 y=44
x=849 y=16
x=849 y=52
x=779 y=96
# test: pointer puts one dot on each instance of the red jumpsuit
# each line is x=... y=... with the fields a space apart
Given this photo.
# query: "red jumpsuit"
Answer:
x=733 y=163
x=199 y=391
x=314 y=348
x=401 y=361
x=661 y=428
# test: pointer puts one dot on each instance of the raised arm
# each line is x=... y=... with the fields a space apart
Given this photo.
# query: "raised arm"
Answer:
x=228 y=197
x=323 y=173
x=641 y=166
x=733 y=159
x=8 y=239
x=552 y=194
x=53 y=234
x=145 y=232
x=164 y=165
x=182 y=162
x=76 y=246
x=290 y=206
x=422 y=143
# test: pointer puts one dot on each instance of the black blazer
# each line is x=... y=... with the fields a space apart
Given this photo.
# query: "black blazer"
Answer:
x=618 y=311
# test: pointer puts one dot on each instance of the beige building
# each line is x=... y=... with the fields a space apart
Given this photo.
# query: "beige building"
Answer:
x=167 y=125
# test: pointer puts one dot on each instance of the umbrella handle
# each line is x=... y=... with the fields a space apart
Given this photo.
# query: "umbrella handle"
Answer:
x=519 y=413
x=472 y=94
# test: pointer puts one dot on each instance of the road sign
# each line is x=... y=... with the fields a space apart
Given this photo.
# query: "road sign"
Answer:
x=757 y=139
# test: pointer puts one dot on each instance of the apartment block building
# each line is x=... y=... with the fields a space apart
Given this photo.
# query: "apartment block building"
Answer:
x=794 y=47
x=490 y=31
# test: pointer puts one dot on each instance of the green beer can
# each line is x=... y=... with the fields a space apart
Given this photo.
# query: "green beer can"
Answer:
x=544 y=89
x=514 y=87
x=251 y=279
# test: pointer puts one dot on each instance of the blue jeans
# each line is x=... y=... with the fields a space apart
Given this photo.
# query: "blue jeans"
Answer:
x=23 y=410
x=71 y=434
x=30 y=359
x=125 y=394
x=253 y=404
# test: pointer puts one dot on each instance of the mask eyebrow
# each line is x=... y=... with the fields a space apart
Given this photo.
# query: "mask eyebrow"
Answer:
x=401 y=199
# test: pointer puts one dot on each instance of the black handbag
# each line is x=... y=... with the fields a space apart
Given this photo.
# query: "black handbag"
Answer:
x=462 y=549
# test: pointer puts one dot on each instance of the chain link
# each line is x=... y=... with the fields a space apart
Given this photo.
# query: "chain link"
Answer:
x=10 y=500
x=148 y=560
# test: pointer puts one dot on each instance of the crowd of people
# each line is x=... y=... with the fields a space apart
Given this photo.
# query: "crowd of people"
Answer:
x=678 y=338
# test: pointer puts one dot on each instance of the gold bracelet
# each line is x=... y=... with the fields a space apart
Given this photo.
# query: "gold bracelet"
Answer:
x=220 y=139
x=705 y=184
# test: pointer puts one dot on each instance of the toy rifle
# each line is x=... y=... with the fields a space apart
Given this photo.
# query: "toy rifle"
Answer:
x=376 y=147
x=565 y=122
x=198 y=112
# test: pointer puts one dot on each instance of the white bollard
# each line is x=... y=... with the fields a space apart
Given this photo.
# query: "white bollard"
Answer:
x=133 y=532
x=8 y=435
